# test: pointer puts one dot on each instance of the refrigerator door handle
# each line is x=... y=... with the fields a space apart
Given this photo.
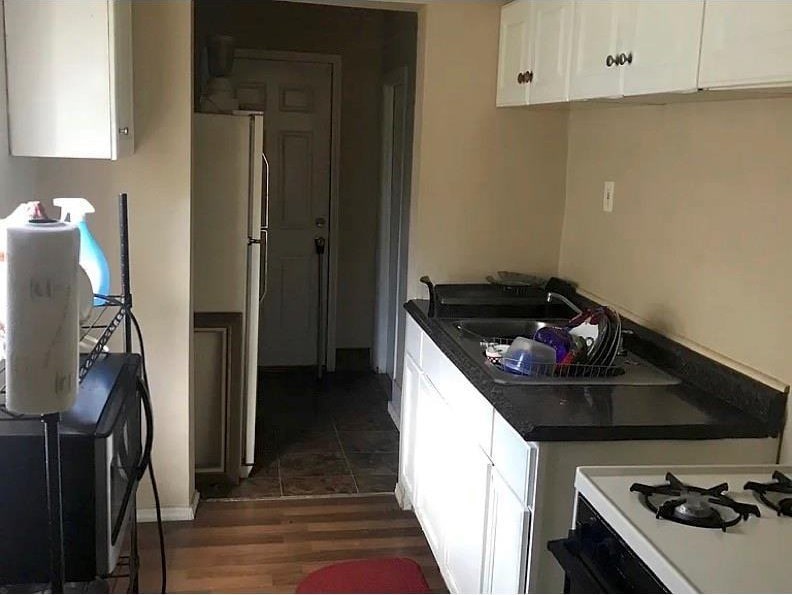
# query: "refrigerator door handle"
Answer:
x=265 y=205
x=263 y=285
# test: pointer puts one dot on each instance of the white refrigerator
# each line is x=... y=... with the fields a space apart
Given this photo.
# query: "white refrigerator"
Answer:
x=229 y=221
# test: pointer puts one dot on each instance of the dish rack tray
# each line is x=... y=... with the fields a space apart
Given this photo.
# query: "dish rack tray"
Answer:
x=563 y=370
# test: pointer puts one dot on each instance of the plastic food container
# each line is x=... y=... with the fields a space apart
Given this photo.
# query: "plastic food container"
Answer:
x=529 y=357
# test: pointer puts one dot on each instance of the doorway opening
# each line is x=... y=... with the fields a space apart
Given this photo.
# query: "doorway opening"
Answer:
x=335 y=89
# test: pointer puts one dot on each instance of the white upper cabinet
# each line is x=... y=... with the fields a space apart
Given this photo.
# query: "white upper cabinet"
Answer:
x=533 y=60
x=552 y=41
x=662 y=40
x=514 y=56
x=635 y=48
x=69 y=71
x=746 y=44
x=595 y=45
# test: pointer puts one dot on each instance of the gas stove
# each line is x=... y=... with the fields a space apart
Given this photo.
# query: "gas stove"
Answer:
x=698 y=529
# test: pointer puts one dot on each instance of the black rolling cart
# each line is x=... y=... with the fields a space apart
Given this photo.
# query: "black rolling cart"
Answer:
x=68 y=493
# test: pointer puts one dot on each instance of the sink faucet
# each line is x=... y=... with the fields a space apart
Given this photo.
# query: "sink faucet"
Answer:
x=552 y=296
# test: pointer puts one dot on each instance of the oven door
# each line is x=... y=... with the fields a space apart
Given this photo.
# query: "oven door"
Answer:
x=120 y=454
x=580 y=575
x=596 y=560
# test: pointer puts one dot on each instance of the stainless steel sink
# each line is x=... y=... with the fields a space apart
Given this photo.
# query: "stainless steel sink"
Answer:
x=470 y=332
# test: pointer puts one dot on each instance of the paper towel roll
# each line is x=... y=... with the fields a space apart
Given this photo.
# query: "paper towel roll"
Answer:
x=42 y=327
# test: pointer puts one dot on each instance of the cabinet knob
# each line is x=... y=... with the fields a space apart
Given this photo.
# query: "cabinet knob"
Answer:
x=124 y=131
x=625 y=59
x=610 y=61
x=528 y=76
x=520 y=78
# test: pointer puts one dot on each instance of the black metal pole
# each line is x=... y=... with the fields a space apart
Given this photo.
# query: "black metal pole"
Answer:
x=54 y=500
x=126 y=292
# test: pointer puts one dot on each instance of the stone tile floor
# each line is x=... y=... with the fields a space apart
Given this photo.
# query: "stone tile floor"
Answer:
x=318 y=438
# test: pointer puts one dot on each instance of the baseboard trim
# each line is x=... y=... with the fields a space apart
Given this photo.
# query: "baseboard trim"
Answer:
x=394 y=413
x=170 y=513
x=402 y=498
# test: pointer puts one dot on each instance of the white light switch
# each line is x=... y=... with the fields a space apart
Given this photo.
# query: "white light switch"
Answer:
x=607 y=197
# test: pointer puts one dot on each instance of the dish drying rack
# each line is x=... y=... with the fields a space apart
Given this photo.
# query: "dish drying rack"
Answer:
x=554 y=370
x=106 y=317
x=561 y=370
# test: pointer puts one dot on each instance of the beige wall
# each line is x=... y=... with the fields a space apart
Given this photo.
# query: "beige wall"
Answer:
x=357 y=36
x=698 y=244
x=488 y=184
x=157 y=178
x=16 y=173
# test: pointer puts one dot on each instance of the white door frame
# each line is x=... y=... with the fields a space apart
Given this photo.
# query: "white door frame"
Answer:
x=388 y=256
x=333 y=231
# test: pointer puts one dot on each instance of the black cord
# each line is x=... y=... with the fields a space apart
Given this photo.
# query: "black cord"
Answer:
x=145 y=460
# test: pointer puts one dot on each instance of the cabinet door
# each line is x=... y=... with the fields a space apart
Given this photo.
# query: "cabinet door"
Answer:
x=514 y=57
x=746 y=44
x=66 y=64
x=595 y=37
x=663 y=39
x=552 y=44
x=433 y=488
x=410 y=378
x=467 y=513
x=508 y=526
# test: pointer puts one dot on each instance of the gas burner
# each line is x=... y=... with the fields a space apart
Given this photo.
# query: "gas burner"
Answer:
x=694 y=506
x=782 y=485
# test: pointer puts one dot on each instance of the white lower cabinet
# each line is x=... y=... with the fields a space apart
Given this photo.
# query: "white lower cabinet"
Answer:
x=466 y=514
x=411 y=376
x=433 y=480
x=508 y=527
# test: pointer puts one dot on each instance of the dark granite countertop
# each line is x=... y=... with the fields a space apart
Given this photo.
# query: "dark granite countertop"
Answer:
x=568 y=413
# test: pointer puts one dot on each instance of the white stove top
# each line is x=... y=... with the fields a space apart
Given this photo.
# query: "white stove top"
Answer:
x=751 y=557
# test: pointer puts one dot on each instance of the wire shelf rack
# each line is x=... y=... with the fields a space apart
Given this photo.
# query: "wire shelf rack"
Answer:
x=107 y=315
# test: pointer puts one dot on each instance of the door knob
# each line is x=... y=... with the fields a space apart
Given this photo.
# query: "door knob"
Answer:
x=610 y=61
x=320 y=222
x=528 y=76
x=520 y=78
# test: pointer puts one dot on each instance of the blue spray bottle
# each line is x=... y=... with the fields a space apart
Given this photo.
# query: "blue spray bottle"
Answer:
x=92 y=259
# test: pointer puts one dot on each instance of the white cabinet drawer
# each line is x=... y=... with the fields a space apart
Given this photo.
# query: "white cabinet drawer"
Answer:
x=470 y=407
x=413 y=336
x=514 y=458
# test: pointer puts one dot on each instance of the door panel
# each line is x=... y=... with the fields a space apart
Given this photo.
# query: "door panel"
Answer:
x=552 y=41
x=514 y=53
x=296 y=99
x=508 y=527
x=659 y=64
x=746 y=43
x=595 y=37
x=294 y=175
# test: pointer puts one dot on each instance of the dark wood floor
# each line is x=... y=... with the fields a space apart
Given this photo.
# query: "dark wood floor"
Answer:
x=268 y=546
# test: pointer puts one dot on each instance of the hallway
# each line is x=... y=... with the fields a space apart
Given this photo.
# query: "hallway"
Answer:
x=319 y=438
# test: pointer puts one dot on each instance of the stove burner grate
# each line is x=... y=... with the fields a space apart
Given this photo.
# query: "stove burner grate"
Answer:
x=782 y=485
x=693 y=506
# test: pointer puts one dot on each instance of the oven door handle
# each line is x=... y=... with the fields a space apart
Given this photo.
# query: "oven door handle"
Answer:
x=585 y=579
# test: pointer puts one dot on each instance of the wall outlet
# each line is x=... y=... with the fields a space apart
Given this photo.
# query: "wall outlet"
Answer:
x=607 y=197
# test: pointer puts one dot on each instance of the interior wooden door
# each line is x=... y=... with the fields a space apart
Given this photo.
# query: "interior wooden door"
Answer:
x=296 y=98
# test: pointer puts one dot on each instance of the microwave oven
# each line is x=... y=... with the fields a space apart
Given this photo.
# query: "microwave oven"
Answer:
x=100 y=455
